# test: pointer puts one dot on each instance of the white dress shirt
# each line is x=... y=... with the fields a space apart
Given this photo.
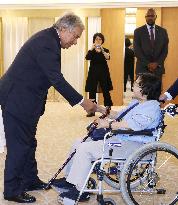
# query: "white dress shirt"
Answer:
x=148 y=27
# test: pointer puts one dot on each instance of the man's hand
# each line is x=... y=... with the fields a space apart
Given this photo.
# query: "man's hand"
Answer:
x=88 y=105
x=152 y=66
x=101 y=109
x=163 y=97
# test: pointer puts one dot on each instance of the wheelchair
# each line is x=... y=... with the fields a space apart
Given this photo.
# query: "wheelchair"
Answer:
x=145 y=178
x=141 y=178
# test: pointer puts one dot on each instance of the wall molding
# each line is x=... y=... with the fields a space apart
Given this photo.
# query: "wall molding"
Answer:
x=90 y=4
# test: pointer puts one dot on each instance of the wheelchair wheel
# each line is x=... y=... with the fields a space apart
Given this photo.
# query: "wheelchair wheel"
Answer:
x=113 y=179
x=107 y=201
x=161 y=184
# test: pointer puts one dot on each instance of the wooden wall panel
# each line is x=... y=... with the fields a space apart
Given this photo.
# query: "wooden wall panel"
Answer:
x=1 y=49
x=112 y=26
x=170 y=21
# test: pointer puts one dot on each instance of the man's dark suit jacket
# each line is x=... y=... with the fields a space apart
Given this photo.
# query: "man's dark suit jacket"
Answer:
x=173 y=90
x=145 y=53
x=37 y=66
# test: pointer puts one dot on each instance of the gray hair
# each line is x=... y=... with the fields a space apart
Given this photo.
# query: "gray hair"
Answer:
x=69 y=21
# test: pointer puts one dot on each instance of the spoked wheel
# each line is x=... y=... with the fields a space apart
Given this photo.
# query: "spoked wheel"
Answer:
x=113 y=178
x=107 y=201
x=161 y=184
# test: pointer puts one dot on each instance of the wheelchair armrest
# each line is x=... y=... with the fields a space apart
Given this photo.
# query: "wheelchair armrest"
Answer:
x=132 y=132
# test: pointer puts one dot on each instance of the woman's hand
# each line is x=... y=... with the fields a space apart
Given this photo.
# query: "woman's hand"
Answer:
x=93 y=47
x=106 y=55
x=102 y=123
x=119 y=125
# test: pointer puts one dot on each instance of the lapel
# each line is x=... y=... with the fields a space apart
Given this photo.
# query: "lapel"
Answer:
x=146 y=36
x=157 y=35
x=54 y=33
x=146 y=32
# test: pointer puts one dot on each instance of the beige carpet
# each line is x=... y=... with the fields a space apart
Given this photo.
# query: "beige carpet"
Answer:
x=57 y=130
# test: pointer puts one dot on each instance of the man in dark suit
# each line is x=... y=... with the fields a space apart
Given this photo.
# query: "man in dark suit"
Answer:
x=150 y=46
x=171 y=93
x=23 y=92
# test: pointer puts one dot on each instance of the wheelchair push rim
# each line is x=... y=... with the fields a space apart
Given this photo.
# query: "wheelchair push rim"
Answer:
x=153 y=190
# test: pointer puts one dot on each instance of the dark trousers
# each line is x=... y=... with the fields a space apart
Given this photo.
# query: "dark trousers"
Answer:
x=20 y=165
x=126 y=75
x=106 y=96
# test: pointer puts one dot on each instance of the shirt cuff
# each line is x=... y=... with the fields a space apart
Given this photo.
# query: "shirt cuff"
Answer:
x=169 y=97
x=81 y=102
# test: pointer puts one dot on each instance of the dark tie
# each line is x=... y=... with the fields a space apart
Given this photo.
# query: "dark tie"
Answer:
x=152 y=36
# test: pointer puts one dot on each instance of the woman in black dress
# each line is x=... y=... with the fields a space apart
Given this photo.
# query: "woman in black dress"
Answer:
x=98 y=74
x=128 y=64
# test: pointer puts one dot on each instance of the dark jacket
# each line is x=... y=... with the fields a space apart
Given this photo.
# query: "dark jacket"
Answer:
x=145 y=53
x=129 y=61
x=98 y=72
x=37 y=66
x=173 y=90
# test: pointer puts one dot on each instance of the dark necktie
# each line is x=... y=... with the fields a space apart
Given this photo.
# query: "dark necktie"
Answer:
x=152 y=36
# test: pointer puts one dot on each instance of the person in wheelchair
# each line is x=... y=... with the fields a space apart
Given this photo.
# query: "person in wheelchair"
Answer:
x=142 y=113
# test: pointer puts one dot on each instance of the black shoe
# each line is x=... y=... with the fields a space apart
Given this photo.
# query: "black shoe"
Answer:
x=21 y=198
x=73 y=194
x=62 y=184
x=39 y=185
x=90 y=114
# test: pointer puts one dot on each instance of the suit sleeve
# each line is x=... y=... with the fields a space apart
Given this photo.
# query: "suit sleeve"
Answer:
x=49 y=60
x=173 y=90
x=90 y=55
x=164 y=52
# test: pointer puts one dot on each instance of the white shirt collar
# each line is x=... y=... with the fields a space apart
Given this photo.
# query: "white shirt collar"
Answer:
x=58 y=34
x=148 y=26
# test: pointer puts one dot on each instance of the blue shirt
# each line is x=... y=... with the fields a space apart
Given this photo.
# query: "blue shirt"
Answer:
x=145 y=115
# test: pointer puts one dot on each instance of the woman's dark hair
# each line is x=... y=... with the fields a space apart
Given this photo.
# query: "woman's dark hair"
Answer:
x=150 y=85
x=100 y=35
x=127 y=42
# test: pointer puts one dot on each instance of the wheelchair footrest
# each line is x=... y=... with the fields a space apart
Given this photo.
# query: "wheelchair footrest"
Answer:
x=161 y=191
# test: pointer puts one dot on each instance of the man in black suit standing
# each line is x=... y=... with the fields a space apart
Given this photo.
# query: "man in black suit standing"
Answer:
x=150 y=46
x=23 y=93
